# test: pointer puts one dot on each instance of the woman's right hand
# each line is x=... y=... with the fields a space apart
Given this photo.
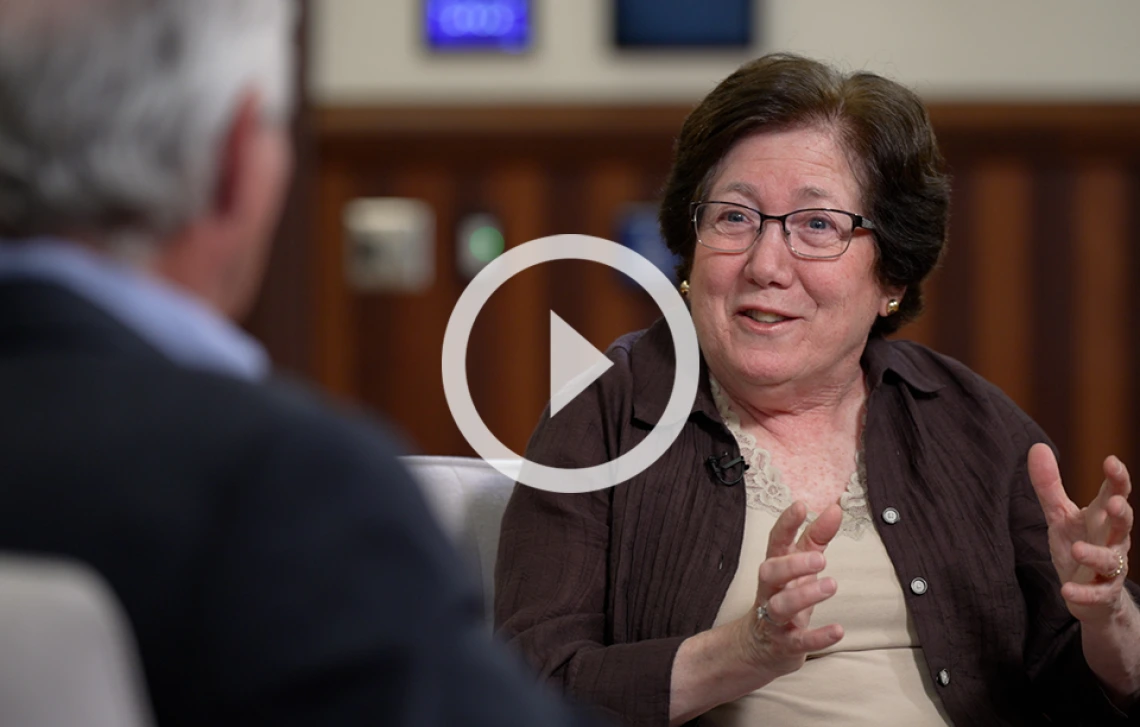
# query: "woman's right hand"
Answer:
x=789 y=588
x=731 y=660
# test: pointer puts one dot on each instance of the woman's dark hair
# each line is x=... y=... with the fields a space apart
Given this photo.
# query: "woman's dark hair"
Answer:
x=882 y=125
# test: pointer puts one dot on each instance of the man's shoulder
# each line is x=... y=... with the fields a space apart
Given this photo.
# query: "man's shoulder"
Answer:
x=280 y=409
x=191 y=415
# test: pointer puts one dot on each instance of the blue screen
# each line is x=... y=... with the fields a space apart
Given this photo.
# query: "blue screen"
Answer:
x=683 y=23
x=638 y=229
x=494 y=25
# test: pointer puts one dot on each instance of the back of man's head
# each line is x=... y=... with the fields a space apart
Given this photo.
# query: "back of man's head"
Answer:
x=113 y=112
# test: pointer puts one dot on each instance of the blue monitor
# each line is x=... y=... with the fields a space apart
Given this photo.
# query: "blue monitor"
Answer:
x=638 y=229
x=683 y=23
x=478 y=25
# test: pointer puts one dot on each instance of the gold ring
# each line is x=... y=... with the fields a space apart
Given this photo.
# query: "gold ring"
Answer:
x=1119 y=568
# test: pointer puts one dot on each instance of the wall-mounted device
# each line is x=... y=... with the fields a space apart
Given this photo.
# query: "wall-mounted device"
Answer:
x=478 y=25
x=389 y=245
x=479 y=239
x=639 y=230
x=666 y=24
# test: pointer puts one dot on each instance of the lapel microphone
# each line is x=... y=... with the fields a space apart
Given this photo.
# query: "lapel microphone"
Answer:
x=720 y=468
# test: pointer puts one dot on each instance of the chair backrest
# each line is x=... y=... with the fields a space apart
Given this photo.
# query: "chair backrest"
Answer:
x=67 y=657
x=468 y=496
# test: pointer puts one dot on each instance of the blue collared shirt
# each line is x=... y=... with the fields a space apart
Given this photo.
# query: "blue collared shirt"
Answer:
x=175 y=323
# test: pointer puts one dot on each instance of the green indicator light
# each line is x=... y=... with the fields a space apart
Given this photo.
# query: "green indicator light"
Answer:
x=486 y=243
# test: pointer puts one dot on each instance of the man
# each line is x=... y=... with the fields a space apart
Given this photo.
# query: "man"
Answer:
x=276 y=563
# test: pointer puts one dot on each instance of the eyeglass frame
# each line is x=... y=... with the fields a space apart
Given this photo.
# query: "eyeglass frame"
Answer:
x=858 y=222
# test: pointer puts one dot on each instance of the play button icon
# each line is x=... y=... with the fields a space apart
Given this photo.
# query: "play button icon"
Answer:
x=575 y=363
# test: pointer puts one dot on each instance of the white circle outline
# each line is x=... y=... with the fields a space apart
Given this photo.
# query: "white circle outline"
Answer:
x=570 y=247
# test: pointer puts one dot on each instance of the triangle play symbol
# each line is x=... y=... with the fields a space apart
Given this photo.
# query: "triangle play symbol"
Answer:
x=574 y=363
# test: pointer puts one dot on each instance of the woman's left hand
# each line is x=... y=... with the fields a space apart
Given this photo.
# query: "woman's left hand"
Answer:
x=1089 y=545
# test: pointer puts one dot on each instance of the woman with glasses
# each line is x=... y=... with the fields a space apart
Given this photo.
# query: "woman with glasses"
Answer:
x=848 y=530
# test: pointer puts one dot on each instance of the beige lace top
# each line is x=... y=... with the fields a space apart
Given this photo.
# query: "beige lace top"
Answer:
x=876 y=675
x=765 y=487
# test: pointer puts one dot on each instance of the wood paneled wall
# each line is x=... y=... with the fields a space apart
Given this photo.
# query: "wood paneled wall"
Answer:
x=1035 y=292
x=285 y=297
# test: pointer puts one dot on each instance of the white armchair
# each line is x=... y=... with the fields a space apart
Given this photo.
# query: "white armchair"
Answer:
x=67 y=657
x=468 y=496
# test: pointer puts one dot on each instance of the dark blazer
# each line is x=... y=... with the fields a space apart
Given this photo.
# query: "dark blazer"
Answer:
x=277 y=564
x=599 y=590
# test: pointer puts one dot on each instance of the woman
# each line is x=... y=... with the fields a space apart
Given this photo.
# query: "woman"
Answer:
x=848 y=530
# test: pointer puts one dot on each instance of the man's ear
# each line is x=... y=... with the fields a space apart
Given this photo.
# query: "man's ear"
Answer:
x=219 y=255
x=236 y=162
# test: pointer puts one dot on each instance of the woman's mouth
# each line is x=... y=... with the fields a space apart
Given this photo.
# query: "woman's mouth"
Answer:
x=764 y=316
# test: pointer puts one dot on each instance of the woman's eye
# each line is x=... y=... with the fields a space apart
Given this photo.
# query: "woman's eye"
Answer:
x=821 y=224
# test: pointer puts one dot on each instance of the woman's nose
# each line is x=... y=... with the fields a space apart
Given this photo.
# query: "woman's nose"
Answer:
x=769 y=259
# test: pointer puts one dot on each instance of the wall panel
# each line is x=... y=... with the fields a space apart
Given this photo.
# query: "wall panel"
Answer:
x=998 y=292
x=1034 y=291
x=1103 y=389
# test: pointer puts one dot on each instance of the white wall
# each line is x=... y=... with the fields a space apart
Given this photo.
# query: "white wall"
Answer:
x=371 y=51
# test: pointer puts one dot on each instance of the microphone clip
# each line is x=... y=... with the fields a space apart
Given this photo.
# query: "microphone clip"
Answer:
x=720 y=468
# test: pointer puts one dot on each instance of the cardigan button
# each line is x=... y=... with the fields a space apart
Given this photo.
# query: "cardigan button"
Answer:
x=891 y=516
x=943 y=677
x=918 y=586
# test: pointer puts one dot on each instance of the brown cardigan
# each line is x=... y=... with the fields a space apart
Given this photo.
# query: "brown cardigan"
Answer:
x=598 y=590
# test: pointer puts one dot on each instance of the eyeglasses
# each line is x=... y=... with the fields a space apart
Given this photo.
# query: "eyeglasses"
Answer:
x=813 y=234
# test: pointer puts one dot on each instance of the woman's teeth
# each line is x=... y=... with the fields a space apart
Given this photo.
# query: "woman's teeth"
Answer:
x=762 y=317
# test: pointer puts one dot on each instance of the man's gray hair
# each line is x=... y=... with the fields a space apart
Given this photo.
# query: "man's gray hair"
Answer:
x=112 y=112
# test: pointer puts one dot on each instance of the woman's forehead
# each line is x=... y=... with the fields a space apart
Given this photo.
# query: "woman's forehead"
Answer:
x=806 y=164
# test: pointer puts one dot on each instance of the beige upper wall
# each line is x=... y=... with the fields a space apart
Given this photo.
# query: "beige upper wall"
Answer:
x=371 y=51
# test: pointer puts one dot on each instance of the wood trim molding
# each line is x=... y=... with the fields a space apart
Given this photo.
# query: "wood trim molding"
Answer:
x=347 y=122
x=1074 y=118
x=286 y=293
